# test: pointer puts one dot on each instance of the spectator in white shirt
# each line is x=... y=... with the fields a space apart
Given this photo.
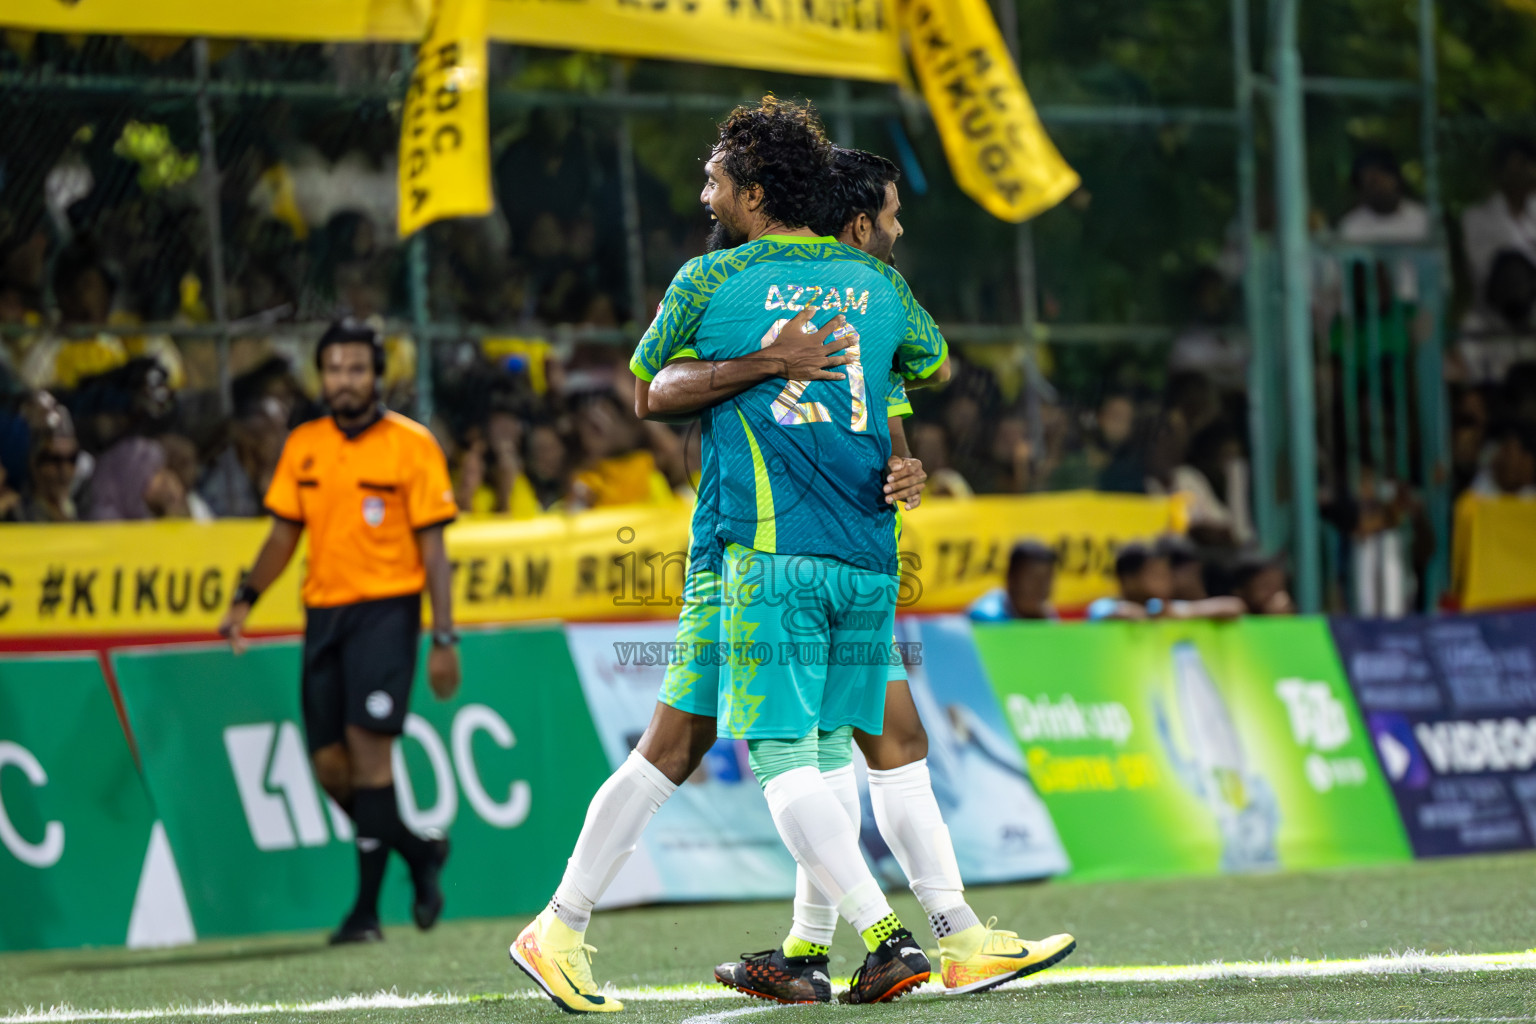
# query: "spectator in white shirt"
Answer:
x=1384 y=216
x=1506 y=220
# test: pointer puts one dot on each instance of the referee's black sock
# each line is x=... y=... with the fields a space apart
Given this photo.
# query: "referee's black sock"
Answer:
x=372 y=859
x=378 y=815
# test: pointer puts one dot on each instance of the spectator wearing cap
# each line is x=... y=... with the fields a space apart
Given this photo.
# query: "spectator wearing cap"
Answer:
x=1026 y=592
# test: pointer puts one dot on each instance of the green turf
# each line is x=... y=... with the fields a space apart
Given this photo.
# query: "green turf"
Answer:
x=1483 y=905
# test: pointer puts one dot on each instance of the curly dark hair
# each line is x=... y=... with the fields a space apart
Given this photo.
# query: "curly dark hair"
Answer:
x=781 y=147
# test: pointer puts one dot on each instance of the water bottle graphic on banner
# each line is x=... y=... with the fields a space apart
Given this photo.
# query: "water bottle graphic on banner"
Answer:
x=1213 y=765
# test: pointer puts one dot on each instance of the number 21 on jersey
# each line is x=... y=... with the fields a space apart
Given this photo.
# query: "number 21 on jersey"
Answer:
x=789 y=410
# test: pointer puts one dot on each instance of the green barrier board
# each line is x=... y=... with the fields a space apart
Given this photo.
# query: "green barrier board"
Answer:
x=74 y=819
x=1175 y=748
x=506 y=769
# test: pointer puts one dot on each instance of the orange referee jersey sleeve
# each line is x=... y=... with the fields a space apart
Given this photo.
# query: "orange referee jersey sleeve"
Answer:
x=282 y=498
x=429 y=498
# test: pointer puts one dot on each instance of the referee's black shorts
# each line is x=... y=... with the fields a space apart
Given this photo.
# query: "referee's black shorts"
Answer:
x=359 y=662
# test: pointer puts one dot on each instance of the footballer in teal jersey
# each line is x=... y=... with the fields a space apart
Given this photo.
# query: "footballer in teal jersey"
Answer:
x=974 y=957
x=692 y=678
x=773 y=160
x=551 y=949
x=801 y=463
x=800 y=471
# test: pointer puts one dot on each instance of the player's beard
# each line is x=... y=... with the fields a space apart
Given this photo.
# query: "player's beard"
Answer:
x=882 y=246
x=348 y=404
x=723 y=237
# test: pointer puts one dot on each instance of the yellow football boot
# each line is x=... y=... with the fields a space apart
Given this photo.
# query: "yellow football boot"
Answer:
x=981 y=957
x=560 y=963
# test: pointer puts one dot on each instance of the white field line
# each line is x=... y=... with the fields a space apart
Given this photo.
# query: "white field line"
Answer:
x=1408 y=962
x=1404 y=963
x=720 y=1016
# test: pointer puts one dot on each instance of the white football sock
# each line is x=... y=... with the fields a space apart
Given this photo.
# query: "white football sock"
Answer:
x=909 y=821
x=616 y=817
x=815 y=827
x=815 y=913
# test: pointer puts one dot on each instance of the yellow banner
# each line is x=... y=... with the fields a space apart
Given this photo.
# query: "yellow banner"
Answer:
x=956 y=550
x=998 y=151
x=837 y=38
x=296 y=20
x=164 y=579
x=841 y=38
x=1494 y=552
x=445 y=135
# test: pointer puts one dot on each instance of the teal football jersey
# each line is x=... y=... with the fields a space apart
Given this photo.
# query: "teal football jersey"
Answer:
x=795 y=467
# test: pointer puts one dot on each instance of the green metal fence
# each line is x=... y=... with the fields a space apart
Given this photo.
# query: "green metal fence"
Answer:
x=625 y=137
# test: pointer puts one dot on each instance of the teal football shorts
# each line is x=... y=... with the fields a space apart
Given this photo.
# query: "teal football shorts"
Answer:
x=807 y=645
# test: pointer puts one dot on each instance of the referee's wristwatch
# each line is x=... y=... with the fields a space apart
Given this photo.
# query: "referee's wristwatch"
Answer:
x=444 y=638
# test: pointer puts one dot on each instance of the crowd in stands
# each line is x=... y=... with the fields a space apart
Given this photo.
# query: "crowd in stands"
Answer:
x=110 y=373
x=1170 y=578
x=1493 y=367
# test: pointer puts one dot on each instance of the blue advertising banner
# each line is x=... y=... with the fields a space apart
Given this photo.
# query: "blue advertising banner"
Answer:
x=1001 y=829
x=714 y=839
x=1451 y=707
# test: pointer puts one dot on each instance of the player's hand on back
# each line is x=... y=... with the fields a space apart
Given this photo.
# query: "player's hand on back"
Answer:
x=443 y=671
x=232 y=626
x=802 y=351
x=904 y=481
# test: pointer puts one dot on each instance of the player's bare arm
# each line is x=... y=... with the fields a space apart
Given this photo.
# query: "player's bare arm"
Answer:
x=443 y=661
x=685 y=387
x=1223 y=609
x=275 y=554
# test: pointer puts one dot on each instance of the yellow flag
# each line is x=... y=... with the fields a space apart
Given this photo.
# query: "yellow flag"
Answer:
x=839 y=38
x=445 y=150
x=998 y=151
x=269 y=19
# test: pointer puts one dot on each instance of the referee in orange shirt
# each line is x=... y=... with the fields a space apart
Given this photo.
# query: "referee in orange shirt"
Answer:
x=372 y=489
